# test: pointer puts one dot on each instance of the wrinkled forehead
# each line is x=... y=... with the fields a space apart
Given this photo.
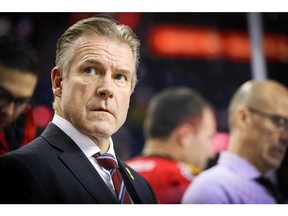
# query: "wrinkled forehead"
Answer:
x=95 y=44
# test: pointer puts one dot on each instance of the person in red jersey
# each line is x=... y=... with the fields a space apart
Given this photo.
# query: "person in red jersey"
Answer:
x=178 y=129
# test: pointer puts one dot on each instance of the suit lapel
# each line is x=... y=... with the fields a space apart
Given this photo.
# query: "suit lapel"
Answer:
x=130 y=183
x=79 y=165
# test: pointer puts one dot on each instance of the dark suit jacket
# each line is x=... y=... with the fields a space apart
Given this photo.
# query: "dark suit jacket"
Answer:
x=53 y=169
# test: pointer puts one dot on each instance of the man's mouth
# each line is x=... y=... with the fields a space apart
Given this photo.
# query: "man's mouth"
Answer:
x=277 y=152
x=100 y=109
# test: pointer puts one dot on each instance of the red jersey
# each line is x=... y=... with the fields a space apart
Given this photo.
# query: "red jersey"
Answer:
x=168 y=178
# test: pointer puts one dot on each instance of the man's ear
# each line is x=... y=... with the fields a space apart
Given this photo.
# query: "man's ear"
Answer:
x=242 y=117
x=184 y=132
x=56 y=78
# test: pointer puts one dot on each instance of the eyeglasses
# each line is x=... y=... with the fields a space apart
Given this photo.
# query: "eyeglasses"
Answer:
x=280 y=122
x=6 y=98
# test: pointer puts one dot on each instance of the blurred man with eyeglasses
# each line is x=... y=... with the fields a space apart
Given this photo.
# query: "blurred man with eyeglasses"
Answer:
x=18 y=79
x=258 y=121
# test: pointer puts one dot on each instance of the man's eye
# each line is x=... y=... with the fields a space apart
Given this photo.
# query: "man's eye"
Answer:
x=89 y=70
x=120 y=77
x=280 y=122
x=20 y=101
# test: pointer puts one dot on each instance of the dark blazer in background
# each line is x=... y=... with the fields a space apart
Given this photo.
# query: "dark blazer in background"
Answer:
x=53 y=169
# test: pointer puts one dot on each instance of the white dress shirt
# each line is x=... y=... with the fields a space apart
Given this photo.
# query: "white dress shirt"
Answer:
x=88 y=147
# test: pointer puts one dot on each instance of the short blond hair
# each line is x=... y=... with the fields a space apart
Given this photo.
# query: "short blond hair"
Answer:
x=101 y=26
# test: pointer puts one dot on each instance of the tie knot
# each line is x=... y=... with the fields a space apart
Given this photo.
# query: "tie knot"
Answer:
x=106 y=160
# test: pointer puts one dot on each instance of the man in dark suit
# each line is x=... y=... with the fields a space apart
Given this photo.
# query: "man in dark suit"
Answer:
x=94 y=77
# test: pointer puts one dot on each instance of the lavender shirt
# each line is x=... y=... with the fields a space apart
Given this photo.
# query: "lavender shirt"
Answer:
x=228 y=182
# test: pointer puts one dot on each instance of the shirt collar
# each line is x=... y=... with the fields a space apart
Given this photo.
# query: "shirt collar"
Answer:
x=239 y=165
x=88 y=147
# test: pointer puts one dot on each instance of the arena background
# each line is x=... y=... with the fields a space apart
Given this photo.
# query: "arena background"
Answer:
x=210 y=52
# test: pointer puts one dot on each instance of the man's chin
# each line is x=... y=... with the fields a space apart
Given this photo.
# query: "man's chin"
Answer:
x=275 y=163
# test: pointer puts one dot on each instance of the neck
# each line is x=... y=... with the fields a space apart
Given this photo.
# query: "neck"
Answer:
x=158 y=147
x=246 y=153
x=165 y=148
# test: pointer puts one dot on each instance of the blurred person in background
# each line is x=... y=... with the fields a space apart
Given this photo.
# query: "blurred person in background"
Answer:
x=258 y=121
x=18 y=79
x=178 y=129
x=92 y=82
x=282 y=177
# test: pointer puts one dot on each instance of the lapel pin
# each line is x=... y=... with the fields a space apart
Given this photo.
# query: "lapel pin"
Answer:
x=132 y=177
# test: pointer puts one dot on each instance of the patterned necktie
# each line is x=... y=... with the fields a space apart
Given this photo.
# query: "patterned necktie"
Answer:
x=108 y=162
x=271 y=188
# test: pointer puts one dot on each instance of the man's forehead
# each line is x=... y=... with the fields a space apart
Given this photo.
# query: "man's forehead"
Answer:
x=17 y=82
x=11 y=74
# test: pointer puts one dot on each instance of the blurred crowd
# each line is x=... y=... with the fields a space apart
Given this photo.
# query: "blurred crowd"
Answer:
x=216 y=77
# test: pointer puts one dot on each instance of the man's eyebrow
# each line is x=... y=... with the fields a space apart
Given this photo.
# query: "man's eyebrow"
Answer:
x=93 y=61
x=96 y=62
x=124 y=71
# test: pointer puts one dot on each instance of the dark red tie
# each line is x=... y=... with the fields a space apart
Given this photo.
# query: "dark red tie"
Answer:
x=108 y=162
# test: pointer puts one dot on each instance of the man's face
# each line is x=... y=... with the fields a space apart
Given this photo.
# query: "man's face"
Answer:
x=19 y=86
x=201 y=145
x=268 y=139
x=95 y=93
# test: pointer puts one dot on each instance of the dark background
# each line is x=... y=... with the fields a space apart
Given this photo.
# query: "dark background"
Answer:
x=215 y=78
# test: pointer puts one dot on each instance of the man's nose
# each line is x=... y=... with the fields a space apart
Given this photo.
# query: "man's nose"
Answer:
x=9 y=109
x=105 y=88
